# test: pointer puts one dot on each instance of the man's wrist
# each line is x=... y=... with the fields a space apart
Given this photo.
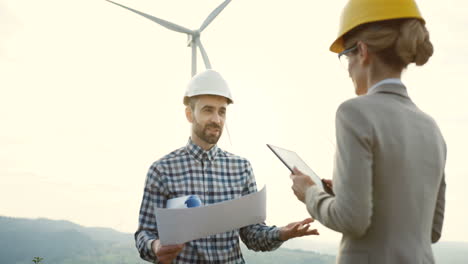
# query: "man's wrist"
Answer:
x=281 y=235
x=149 y=245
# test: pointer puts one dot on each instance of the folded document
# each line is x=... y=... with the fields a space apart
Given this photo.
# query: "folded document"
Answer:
x=180 y=225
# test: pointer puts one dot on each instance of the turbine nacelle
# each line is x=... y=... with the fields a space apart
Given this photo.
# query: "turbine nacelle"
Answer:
x=191 y=38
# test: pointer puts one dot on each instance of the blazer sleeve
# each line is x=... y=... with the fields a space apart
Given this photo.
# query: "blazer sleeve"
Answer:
x=350 y=210
x=438 y=220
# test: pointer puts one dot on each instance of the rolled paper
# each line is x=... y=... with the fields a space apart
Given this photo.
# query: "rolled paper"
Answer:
x=187 y=201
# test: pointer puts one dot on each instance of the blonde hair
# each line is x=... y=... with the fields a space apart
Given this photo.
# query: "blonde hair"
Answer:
x=396 y=42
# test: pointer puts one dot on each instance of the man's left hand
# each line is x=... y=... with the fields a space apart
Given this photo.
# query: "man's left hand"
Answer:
x=297 y=229
x=301 y=183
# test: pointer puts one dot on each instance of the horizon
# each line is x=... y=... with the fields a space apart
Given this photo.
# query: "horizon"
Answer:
x=107 y=245
x=315 y=239
x=92 y=96
x=308 y=238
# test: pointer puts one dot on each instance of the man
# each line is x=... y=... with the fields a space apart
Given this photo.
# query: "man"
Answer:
x=201 y=168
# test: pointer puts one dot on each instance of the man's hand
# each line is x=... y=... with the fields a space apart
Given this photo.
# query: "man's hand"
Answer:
x=166 y=254
x=297 y=229
x=301 y=183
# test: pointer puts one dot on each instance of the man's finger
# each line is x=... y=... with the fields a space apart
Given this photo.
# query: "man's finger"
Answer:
x=303 y=229
x=309 y=232
x=296 y=227
x=307 y=221
x=170 y=249
x=166 y=252
x=312 y=232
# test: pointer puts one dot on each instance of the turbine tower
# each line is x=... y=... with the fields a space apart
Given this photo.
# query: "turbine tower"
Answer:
x=193 y=35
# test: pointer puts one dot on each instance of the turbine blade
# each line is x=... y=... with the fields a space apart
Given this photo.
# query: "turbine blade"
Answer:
x=214 y=14
x=162 y=22
x=203 y=53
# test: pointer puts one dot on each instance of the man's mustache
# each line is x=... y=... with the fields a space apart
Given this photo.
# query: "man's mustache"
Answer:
x=213 y=125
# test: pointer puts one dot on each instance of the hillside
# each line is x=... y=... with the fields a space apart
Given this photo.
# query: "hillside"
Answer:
x=63 y=242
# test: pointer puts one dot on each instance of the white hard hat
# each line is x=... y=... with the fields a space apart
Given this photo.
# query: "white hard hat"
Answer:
x=209 y=82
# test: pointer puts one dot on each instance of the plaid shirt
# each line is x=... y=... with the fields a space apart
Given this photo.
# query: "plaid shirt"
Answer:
x=215 y=176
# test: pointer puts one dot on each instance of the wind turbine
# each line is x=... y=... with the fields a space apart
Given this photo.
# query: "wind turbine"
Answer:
x=193 y=35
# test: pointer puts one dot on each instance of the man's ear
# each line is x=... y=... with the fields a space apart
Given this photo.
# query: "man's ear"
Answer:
x=189 y=114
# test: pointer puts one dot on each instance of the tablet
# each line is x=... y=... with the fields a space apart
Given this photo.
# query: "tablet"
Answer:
x=291 y=160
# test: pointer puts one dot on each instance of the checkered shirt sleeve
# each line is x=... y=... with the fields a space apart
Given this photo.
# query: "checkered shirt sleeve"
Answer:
x=259 y=237
x=154 y=195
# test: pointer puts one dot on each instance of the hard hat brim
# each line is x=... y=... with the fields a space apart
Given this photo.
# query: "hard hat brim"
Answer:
x=187 y=98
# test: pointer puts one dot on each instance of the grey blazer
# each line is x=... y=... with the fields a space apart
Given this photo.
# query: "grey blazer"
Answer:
x=388 y=180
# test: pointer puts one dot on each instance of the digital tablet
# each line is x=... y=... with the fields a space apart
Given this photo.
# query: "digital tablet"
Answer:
x=291 y=160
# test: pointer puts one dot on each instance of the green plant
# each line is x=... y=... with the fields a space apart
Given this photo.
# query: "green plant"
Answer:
x=37 y=260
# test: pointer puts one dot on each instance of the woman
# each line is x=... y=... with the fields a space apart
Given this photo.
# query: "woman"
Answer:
x=388 y=178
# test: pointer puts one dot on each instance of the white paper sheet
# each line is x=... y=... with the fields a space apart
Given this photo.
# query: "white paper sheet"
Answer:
x=180 y=225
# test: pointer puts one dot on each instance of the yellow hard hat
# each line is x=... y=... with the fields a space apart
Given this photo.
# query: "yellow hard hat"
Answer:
x=358 y=12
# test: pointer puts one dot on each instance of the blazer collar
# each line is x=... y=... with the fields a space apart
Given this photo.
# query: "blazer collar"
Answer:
x=392 y=88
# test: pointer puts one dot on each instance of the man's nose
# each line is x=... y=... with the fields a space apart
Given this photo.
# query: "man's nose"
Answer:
x=216 y=118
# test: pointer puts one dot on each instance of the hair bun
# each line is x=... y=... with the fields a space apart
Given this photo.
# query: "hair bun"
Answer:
x=413 y=44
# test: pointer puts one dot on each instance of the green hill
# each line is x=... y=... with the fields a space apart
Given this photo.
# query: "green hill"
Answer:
x=61 y=242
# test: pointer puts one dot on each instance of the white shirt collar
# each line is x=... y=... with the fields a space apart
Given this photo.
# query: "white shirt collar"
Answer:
x=386 y=81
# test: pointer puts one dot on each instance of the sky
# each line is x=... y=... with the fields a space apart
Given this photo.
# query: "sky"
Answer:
x=91 y=95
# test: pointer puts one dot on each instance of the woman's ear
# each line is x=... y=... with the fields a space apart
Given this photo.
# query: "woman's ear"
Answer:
x=363 y=53
x=189 y=113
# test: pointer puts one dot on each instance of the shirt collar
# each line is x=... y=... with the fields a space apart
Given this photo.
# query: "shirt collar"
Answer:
x=198 y=152
x=390 y=85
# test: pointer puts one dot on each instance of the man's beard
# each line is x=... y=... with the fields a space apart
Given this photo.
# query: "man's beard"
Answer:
x=202 y=132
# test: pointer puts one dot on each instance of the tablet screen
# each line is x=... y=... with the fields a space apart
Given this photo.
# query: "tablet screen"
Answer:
x=291 y=160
